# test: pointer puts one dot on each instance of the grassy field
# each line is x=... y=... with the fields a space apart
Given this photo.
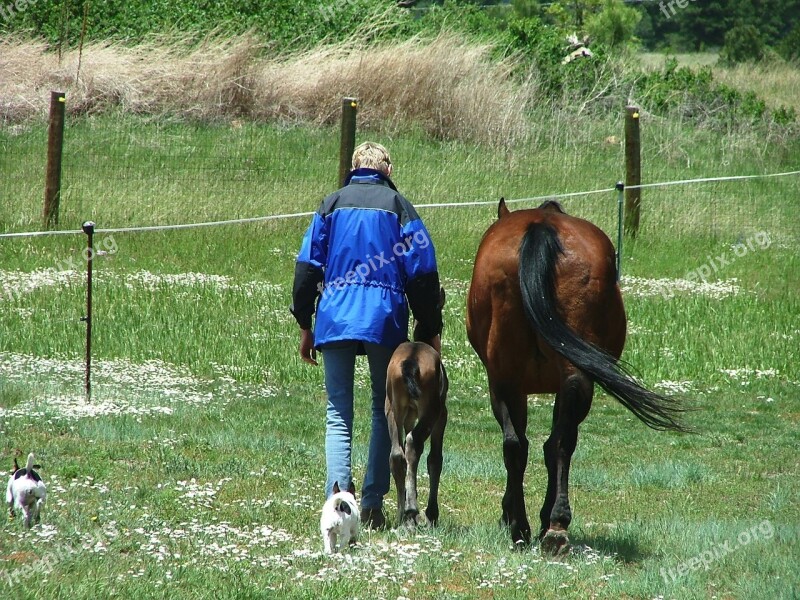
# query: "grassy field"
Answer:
x=196 y=470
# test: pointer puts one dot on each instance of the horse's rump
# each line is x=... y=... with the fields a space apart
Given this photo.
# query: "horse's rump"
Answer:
x=584 y=279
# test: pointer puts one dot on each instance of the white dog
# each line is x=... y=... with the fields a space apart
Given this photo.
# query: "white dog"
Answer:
x=339 y=521
x=26 y=491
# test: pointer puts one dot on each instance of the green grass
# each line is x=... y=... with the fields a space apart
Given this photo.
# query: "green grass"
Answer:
x=197 y=469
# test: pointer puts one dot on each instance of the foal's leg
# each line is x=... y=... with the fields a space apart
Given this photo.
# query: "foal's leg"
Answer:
x=435 y=466
x=397 y=457
x=415 y=444
x=511 y=411
x=570 y=409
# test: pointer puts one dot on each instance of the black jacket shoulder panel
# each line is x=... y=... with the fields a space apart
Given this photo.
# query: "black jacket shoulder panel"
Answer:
x=369 y=196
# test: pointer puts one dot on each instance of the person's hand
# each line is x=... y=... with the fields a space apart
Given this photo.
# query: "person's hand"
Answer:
x=436 y=343
x=307 y=351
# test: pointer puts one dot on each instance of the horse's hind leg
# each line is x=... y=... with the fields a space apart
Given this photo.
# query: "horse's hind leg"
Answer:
x=435 y=462
x=415 y=444
x=511 y=411
x=570 y=409
x=397 y=458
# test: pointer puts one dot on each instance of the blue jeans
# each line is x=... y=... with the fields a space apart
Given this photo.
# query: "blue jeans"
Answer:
x=339 y=360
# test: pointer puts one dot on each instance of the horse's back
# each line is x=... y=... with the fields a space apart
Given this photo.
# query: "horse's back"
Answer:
x=586 y=293
x=576 y=235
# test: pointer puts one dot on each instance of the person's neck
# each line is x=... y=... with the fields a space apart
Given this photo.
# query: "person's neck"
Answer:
x=364 y=173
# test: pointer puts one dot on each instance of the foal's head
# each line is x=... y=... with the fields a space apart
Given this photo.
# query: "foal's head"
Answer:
x=439 y=307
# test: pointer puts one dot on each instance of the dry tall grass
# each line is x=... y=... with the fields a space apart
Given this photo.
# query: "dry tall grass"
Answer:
x=445 y=86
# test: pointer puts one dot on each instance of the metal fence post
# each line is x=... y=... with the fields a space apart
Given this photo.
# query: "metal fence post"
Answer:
x=88 y=229
x=348 y=140
x=620 y=193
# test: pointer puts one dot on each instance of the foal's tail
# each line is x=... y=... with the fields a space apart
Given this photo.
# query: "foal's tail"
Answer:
x=538 y=255
x=410 y=370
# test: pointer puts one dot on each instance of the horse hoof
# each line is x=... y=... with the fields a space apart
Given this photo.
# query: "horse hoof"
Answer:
x=411 y=520
x=431 y=517
x=521 y=536
x=555 y=542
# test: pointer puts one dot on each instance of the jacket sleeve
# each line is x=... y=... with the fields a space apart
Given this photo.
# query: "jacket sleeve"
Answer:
x=423 y=299
x=309 y=272
x=422 y=277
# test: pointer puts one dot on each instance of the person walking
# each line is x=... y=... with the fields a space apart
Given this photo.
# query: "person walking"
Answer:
x=365 y=259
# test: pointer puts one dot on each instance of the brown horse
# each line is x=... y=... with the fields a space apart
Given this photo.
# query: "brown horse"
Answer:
x=416 y=392
x=545 y=315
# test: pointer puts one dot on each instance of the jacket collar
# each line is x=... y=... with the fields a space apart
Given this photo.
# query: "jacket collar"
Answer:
x=368 y=176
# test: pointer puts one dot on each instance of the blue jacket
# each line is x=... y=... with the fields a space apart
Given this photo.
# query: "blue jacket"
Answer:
x=366 y=251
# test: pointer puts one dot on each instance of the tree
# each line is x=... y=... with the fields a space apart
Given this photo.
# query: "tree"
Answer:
x=526 y=8
x=645 y=31
x=789 y=47
x=570 y=15
x=614 y=25
x=703 y=23
x=743 y=43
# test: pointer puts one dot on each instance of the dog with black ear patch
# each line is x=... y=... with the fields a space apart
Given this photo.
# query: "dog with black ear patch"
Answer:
x=339 y=523
x=26 y=491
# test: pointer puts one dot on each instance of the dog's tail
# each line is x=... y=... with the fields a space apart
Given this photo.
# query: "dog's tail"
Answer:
x=29 y=464
x=410 y=370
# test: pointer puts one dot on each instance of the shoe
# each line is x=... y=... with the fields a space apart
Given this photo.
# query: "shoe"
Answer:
x=372 y=518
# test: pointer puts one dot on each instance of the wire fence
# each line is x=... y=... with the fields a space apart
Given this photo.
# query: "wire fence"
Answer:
x=170 y=176
x=722 y=218
x=155 y=172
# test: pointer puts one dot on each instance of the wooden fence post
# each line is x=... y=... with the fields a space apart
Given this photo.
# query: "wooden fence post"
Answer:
x=348 y=140
x=633 y=171
x=55 y=145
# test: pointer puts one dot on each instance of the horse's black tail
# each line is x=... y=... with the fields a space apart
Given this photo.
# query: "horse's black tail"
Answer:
x=538 y=255
x=410 y=370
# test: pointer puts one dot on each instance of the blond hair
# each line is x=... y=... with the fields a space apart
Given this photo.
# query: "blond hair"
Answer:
x=371 y=155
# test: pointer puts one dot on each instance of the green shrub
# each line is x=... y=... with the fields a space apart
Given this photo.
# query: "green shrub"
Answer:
x=696 y=96
x=467 y=18
x=784 y=115
x=526 y=8
x=789 y=47
x=285 y=24
x=614 y=25
x=543 y=48
x=743 y=43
